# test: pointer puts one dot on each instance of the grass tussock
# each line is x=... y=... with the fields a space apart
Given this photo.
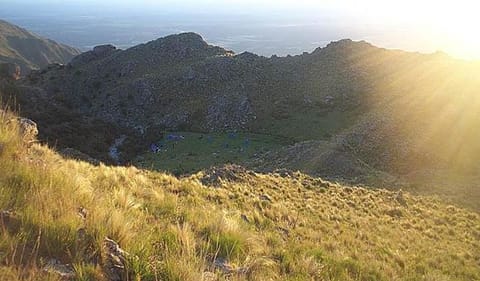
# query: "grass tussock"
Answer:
x=262 y=227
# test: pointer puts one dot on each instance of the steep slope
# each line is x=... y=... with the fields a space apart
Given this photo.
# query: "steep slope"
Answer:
x=386 y=111
x=220 y=224
x=181 y=82
x=30 y=51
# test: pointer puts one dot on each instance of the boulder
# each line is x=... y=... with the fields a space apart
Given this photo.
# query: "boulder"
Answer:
x=64 y=271
x=226 y=268
x=27 y=129
x=114 y=260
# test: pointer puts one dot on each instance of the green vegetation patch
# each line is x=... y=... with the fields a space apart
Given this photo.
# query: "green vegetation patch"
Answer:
x=191 y=152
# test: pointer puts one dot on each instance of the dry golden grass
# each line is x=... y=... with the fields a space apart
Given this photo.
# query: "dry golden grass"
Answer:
x=267 y=227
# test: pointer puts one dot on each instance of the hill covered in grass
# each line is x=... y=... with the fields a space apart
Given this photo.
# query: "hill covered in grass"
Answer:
x=31 y=51
x=88 y=222
x=352 y=110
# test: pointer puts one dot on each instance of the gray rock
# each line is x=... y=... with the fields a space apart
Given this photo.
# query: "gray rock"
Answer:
x=28 y=130
x=215 y=175
x=114 y=150
x=226 y=268
x=114 y=260
x=65 y=271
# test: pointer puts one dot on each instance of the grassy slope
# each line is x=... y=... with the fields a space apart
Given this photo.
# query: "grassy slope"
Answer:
x=307 y=229
x=195 y=153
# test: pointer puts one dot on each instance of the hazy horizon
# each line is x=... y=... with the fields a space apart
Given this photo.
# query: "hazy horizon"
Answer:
x=266 y=28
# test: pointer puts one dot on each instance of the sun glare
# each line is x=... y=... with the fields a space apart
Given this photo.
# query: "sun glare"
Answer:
x=450 y=26
x=462 y=35
x=453 y=25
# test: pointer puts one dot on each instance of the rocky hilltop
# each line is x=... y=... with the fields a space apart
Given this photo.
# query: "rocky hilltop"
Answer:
x=30 y=51
x=182 y=82
x=349 y=110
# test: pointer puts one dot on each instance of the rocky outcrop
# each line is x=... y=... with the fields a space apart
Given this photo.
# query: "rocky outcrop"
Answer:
x=26 y=128
x=114 y=150
x=181 y=82
x=114 y=260
x=184 y=46
x=64 y=271
x=215 y=175
x=98 y=52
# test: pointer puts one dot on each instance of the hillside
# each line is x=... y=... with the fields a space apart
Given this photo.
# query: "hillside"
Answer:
x=31 y=51
x=349 y=111
x=219 y=224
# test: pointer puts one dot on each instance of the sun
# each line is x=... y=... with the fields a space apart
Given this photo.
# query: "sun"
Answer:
x=450 y=26
x=454 y=24
x=462 y=38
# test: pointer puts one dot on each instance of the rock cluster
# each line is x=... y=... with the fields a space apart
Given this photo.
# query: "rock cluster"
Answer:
x=215 y=175
x=65 y=271
x=27 y=129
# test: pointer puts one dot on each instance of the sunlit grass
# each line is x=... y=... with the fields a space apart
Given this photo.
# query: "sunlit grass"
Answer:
x=262 y=227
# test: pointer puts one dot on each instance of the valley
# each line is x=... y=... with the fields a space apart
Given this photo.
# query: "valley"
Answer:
x=176 y=159
x=199 y=151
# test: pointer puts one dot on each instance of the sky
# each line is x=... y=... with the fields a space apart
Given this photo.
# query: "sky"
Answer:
x=425 y=26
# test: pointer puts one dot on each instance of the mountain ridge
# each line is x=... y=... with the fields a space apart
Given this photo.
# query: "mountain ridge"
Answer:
x=30 y=51
x=365 y=112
